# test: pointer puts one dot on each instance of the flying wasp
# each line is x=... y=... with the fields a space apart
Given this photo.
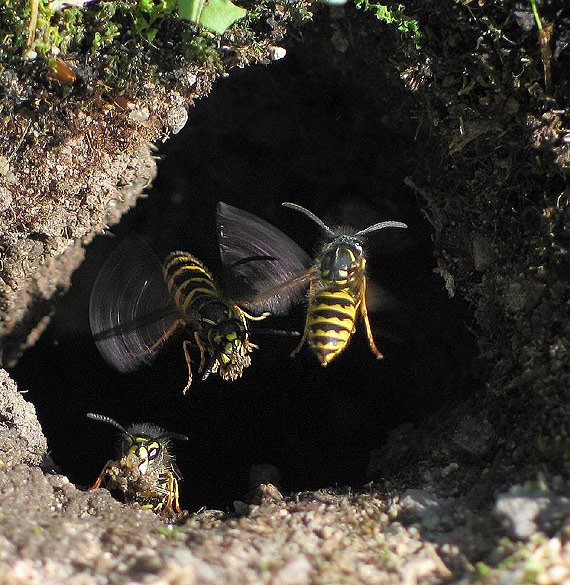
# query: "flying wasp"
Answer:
x=336 y=277
x=145 y=472
x=137 y=303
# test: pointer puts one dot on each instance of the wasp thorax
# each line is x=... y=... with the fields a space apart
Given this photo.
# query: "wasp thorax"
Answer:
x=214 y=312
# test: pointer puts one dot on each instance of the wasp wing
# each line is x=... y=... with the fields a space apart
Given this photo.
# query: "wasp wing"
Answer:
x=266 y=270
x=131 y=311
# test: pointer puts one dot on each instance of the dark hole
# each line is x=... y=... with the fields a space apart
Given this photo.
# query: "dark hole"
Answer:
x=332 y=139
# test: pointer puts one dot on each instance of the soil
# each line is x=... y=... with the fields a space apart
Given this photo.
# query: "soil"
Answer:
x=445 y=462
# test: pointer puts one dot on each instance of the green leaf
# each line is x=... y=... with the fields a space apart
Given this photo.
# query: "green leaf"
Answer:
x=217 y=15
x=190 y=9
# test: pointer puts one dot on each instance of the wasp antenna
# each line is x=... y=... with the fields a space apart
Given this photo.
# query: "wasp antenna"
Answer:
x=208 y=370
x=177 y=436
x=380 y=226
x=108 y=420
x=285 y=332
x=311 y=215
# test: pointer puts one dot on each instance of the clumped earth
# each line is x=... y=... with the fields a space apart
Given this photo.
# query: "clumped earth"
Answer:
x=476 y=490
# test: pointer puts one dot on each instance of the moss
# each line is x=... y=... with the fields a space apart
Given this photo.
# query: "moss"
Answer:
x=395 y=15
x=107 y=46
x=482 y=572
x=169 y=532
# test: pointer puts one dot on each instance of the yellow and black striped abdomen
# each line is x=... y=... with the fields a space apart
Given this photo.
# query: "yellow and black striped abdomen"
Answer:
x=330 y=322
x=189 y=282
x=219 y=326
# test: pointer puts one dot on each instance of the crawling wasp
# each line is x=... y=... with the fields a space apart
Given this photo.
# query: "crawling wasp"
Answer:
x=336 y=276
x=145 y=472
x=137 y=303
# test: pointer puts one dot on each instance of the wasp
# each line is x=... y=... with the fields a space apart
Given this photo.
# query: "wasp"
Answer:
x=336 y=277
x=146 y=471
x=137 y=303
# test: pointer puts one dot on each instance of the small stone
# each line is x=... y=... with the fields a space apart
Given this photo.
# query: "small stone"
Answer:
x=527 y=513
x=277 y=53
x=421 y=506
x=295 y=572
x=483 y=253
x=176 y=119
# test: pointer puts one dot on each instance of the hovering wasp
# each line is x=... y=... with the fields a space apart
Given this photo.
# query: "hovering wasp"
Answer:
x=146 y=472
x=137 y=303
x=336 y=277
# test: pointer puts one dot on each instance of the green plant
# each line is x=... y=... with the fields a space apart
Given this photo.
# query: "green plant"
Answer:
x=394 y=15
x=216 y=15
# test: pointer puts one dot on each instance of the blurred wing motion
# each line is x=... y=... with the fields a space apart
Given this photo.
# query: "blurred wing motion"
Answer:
x=380 y=299
x=131 y=311
x=266 y=270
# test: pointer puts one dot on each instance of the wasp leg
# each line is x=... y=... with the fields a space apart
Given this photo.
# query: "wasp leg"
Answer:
x=185 y=345
x=175 y=497
x=102 y=475
x=366 y=320
x=306 y=330
x=167 y=334
x=301 y=343
x=248 y=345
x=166 y=478
x=173 y=494
x=252 y=317
x=202 y=352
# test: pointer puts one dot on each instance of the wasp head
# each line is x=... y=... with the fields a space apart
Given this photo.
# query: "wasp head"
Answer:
x=342 y=259
x=150 y=452
x=147 y=442
x=231 y=346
